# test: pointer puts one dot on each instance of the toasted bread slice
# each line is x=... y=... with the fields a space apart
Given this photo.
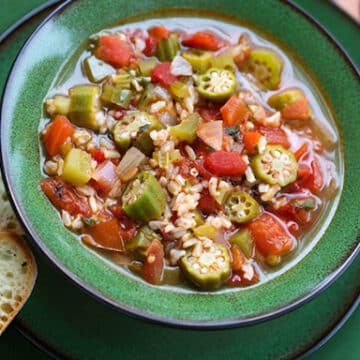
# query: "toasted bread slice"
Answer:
x=7 y=217
x=18 y=269
x=18 y=272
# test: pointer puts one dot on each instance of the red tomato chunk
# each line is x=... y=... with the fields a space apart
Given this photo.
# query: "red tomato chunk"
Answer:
x=204 y=40
x=64 y=197
x=251 y=139
x=207 y=204
x=105 y=176
x=234 y=111
x=274 y=136
x=105 y=235
x=270 y=236
x=113 y=50
x=98 y=155
x=159 y=32
x=161 y=73
x=154 y=264
x=223 y=163
x=57 y=133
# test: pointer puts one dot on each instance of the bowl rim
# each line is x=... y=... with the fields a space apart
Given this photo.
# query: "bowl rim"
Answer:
x=133 y=311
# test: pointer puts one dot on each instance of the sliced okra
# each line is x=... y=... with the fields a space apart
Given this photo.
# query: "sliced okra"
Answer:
x=275 y=165
x=144 y=199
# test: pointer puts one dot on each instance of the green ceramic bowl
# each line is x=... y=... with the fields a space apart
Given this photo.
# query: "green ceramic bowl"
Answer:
x=330 y=247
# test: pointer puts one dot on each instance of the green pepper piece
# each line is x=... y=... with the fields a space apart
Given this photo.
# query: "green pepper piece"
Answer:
x=144 y=199
x=143 y=80
x=84 y=104
x=122 y=138
x=136 y=126
x=179 y=89
x=244 y=241
x=116 y=96
x=224 y=61
x=168 y=48
x=58 y=105
x=122 y=97
x=200 y=60
x=143 y=141
x=210 y=270
x=142 y=241
x=275 y=165
x=147 y=97
x=217 y=84
x=205 y=230
x=282 y=101
x=96 y=69
x=146 y=66
x=186 y=130
x=122 y=80
x=164 y=159
x=150 y=95
x=285 y=98
x=266 y=66
x=77 y=167
x=241 y=207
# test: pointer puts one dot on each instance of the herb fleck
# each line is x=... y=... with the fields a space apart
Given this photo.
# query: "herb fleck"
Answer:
x=89 y=222
x=144 y=128
x=233 y=131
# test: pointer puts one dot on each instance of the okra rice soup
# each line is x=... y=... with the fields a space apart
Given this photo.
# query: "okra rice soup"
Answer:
x=192 y=156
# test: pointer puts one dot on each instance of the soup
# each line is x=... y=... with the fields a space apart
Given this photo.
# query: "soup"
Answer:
x=190 y=157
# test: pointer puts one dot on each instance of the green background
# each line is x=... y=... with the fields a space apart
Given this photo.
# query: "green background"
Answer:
x=345 y=343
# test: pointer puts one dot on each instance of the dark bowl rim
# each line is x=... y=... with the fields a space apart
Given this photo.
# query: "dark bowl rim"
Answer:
x=140 y=314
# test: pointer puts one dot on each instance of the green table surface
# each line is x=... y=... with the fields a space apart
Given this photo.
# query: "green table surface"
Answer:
x=345 y=344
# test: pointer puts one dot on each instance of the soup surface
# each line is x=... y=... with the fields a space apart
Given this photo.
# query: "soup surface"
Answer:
x=191 y=157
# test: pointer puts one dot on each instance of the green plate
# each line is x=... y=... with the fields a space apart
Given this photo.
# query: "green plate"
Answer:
x=69 y=324
x=32 y=75
x=66 y=328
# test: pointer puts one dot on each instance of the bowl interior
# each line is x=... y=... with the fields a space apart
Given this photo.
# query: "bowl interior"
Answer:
x=33 y=75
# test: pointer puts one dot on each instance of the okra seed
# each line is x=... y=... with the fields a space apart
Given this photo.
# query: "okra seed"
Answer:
x=286 y=172
x=276 y=154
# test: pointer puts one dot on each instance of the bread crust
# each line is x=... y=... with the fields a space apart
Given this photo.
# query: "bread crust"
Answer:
x=31 y=274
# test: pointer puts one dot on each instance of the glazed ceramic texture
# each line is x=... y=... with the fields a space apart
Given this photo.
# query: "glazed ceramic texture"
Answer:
x=32 y=77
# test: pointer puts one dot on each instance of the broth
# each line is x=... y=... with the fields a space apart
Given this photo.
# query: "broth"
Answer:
x=303 y=225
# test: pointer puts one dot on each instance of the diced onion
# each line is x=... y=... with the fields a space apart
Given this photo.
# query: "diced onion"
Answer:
x=105 y=174
x=211 y=134
x=180 y=67
x=273 y=120
x=161 y=93
x=167 y=118
x=131 y=160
